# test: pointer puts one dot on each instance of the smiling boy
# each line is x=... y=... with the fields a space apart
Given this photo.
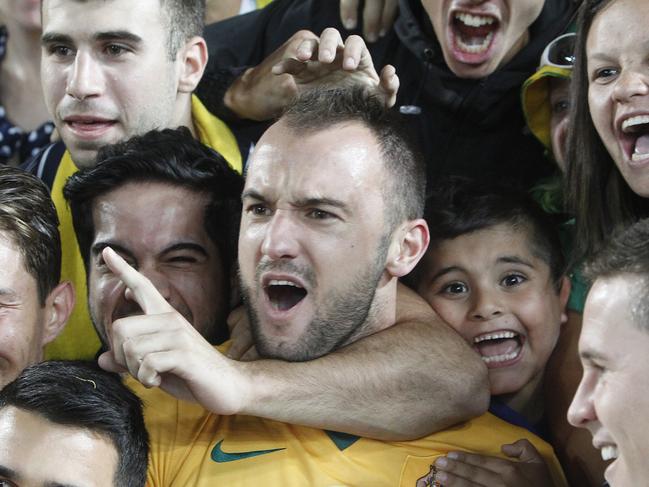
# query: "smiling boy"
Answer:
x=494 y=271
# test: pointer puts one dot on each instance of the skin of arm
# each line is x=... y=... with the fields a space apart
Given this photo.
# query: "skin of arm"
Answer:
x=407 y=381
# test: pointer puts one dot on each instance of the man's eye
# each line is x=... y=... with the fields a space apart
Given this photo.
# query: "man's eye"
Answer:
x=115 y=50
x=59 y=51
x=455 y=288
x=258 y=210
x=183 y=259
x=318 y=214
x=513 y=280
x=6 y=483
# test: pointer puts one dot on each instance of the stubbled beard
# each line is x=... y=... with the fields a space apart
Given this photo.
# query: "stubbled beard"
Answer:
x=341 y=314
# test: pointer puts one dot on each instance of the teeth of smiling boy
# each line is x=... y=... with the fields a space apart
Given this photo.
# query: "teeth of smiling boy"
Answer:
x=473 y=20
x=494 y=336
x=609 y=452
x=500 y=358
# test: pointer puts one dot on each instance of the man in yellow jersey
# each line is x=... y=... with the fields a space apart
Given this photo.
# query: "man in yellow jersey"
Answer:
x=34 y=305
x=171 y=208
x=331 y=219
x=112 y=69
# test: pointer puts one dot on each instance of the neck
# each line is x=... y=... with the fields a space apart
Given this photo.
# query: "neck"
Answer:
x=383 y=311
x=528 y=401
x=184 y=113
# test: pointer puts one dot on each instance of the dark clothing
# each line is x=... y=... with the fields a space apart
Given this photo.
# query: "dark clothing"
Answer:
x=468 y=127
x=14 y=141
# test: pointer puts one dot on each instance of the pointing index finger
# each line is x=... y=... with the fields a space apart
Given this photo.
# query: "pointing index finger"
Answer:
x=144 y=292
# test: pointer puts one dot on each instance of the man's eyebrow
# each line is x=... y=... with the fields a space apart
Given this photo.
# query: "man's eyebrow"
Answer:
x=253 y=194
x=6 y=292
x=9 y=473
x=306 y=202
x=98 y=247
x=194 y=247
x=592 y=355
x=123 y=35
x=55 y=37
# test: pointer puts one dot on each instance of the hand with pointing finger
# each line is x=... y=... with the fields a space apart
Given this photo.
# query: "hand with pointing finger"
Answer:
x=161 y=348
x=303 y=62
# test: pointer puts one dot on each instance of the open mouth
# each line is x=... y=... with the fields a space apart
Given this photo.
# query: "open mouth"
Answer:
x=498 y=348
x=284 y=295
x=473 y=34
x=635 y=137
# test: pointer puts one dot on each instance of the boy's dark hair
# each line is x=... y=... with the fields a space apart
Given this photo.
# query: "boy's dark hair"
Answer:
x=81 y=395
x=627 y=252
x=595 y=191
x=168 y=156
x=405 y=188
x=458 y=206
x=28 y=216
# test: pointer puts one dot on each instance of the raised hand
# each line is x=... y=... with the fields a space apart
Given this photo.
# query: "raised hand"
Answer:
x=303 y=62
x=161 y=348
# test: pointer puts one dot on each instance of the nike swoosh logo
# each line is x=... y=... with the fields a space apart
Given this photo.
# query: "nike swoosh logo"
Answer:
x=219 y=456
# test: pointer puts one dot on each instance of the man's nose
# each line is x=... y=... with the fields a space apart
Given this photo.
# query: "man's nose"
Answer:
x=279 y=239
x=85 y=78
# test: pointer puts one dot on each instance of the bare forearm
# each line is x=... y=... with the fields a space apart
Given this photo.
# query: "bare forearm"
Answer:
x=402 y=383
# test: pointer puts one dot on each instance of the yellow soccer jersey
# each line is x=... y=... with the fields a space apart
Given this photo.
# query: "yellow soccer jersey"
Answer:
x=192 y=447
x=78 y=339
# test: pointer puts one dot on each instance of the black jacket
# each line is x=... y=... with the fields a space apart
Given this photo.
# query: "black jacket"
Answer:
x=468 y=127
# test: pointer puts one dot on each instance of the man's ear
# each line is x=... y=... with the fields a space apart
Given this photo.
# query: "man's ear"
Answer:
x=408 y=246
x=564 y=294
x=192 y=60
x=58 y=307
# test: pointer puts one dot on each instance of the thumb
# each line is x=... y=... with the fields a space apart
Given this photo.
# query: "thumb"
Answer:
x=522 y=450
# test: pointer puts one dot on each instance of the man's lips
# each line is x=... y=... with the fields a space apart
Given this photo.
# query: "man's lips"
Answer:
x=282 y=293
x=472 y=34
x=88 y=126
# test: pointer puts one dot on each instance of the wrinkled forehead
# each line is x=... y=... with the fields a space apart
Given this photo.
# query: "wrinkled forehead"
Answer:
x=344 y=159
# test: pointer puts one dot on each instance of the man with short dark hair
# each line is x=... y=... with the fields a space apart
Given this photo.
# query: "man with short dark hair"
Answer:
x=112 y=69
x=34 y=306
x=72 y=424
x=323 y=241
x=613 y=397
x=170 y=206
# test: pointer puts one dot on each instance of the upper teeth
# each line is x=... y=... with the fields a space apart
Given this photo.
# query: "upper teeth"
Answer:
x=279 y=282
x=609 y=452
x=473 y=20
x=633 y=121
x=494 y=336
